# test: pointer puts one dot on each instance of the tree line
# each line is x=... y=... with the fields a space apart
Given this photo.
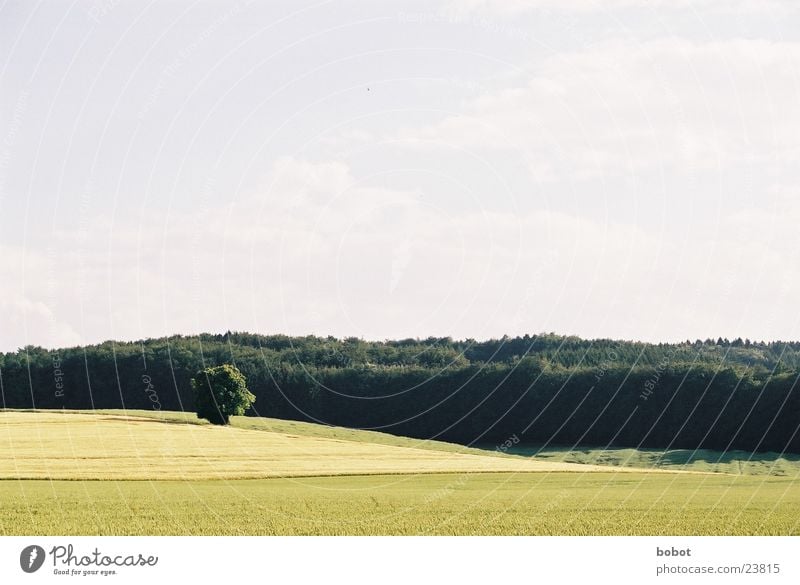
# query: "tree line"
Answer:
x=543 y=389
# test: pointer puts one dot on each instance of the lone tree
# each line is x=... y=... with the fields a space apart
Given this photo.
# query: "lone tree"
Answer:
x=221 y=392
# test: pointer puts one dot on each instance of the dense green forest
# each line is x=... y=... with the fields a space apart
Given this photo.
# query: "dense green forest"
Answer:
x=546 y=389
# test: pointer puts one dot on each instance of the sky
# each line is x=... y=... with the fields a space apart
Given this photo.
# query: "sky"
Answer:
x=620 y=169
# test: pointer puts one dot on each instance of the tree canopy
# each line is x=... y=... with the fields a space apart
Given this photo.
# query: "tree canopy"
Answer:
x=221 y=392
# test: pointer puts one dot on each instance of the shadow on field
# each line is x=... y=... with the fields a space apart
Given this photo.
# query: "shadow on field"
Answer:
x=144 y=419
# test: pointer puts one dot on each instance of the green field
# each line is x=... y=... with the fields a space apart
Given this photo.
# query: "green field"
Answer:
x=139 y=473
x=700 y=460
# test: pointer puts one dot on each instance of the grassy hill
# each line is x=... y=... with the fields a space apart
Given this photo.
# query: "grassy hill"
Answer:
x=80 y=473
x=158 y=446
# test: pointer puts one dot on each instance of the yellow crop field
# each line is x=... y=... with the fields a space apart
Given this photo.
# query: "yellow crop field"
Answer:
x=54 y=445
x=82 y=473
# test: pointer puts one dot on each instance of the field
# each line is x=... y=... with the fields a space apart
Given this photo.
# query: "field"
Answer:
x=510 y=504
x=54 y=445
x=115 y=473
x=699 y=460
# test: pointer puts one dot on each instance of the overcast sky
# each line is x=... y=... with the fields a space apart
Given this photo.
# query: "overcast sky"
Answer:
x=386 y=170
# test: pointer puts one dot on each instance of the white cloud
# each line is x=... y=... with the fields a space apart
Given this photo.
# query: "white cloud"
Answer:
x=31 y=310
x=623 y=108
x=298 y=257
x=635 y=188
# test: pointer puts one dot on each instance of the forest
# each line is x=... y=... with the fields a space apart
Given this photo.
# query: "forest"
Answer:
x=543 y=389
